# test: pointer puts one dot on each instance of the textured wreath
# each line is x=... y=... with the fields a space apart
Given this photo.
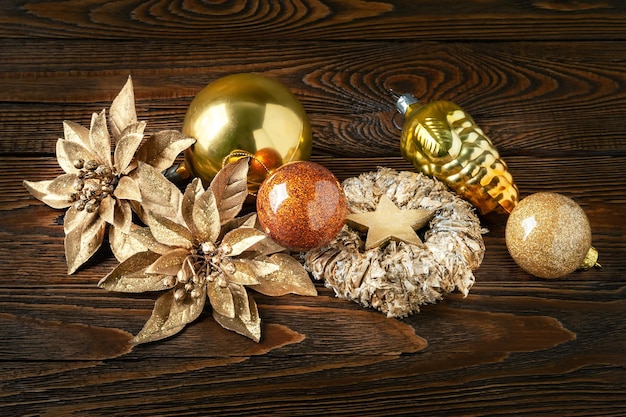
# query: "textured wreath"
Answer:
x=397 y=278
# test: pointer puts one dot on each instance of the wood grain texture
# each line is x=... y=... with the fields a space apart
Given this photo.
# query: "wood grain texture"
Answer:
x=544 y=78
x=313 y=20
x=529 y=97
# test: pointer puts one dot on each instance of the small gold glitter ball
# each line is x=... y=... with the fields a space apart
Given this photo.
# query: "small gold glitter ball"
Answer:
x=548 y=235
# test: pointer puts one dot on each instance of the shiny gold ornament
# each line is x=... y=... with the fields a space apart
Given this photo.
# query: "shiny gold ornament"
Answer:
x=548 y=235
x=243 y=114
x=444 y=142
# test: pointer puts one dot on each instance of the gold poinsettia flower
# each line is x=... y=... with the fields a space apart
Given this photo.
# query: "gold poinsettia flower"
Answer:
x=97 y=187
x=201 y=251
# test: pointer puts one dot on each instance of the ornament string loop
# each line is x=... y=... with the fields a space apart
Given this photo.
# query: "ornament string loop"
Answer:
x=238 y=153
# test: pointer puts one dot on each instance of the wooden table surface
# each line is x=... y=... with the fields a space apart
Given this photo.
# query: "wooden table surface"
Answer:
x=545 y=79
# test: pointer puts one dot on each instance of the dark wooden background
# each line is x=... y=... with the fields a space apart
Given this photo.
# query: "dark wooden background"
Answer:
x=546 y=79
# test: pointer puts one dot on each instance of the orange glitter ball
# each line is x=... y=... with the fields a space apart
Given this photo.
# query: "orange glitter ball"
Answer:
x=301 y=206
x=263 y=162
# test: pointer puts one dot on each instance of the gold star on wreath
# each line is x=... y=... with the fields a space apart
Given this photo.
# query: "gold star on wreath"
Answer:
x=388 y=222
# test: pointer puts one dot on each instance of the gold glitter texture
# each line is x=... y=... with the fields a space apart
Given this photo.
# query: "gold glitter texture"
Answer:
x=548 y=235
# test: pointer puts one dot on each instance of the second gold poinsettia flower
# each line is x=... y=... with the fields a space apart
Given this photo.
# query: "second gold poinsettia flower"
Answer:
x=198 y=250
x=97 y=188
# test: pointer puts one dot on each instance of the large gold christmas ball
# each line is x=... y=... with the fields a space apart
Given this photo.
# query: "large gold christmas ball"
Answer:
x=548 y=235
x=240 y=115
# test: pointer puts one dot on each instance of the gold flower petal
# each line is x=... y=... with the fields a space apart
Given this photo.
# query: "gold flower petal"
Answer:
x=243 y=239
x=155 y=328
x=169 y=232
x=206 y=218
x=289 y=277
x=193 y=191
x=76 y=133
x=84 y=239
x=99 y=138
x=144 y=236
x=127 y=145
x=158 y=195
x=123 y=215
x=262 y=265
x=197 y=188
x=127 y=189
x=117 y=213
x=247 y=220
x=186 y=272
x=162 y=148
x=248 y=327
x=61 y=186
x=221 y=299
x=230 y=187
x=240 y=298
x=107 y=210
x=67 y=152
x=244 y=273
x=73 y=218
x=122 y=111
x=124 y=245
x=170 y=316
x=265 y=246
x=169 y=263
x=41 y=191
x=130 y=276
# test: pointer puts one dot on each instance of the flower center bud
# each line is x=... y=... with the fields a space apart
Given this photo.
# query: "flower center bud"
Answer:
x=94 y=183
x=217 y=265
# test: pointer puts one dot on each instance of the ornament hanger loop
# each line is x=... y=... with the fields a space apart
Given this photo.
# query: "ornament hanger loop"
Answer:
x=238 y=153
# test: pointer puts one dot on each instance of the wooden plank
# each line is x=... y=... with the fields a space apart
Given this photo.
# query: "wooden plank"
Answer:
x=326 y=19
x=591 y=181
x=528 y=97
x=521 y=354
x=544 y=78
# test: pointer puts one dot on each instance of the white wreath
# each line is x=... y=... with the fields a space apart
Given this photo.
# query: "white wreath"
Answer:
x=398 y=277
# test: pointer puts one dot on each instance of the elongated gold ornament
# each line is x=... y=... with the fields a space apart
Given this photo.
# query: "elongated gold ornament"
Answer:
x=444 y=142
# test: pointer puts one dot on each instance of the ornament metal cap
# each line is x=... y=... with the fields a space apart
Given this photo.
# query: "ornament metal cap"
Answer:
x=404 y=101
x=591 y=260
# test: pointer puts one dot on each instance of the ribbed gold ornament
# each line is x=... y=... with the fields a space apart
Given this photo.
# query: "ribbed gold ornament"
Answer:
x=444 y=142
